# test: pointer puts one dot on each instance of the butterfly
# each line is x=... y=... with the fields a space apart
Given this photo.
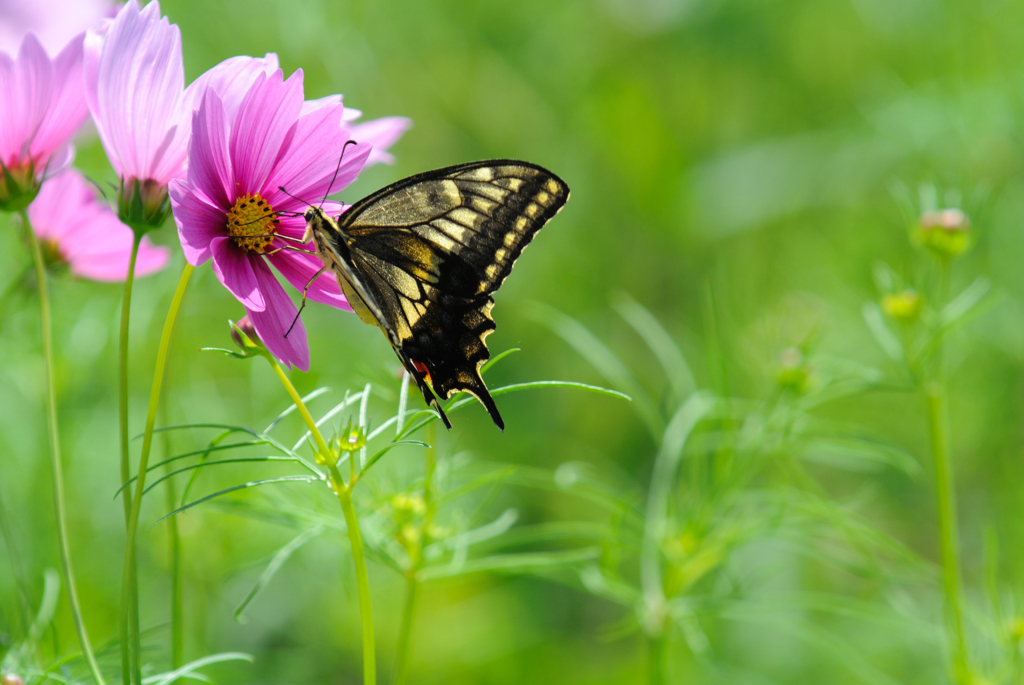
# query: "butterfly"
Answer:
x=421 y=258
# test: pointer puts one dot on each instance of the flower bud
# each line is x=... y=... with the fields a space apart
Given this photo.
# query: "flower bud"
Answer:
x=945 y=232
x=244 y=334
x=143 y=205
x=18 y=186
x=352 y=439
x=904 y=307
x=794 y=371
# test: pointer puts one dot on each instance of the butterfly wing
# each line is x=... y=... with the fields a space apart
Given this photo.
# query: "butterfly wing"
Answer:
x=430 y=250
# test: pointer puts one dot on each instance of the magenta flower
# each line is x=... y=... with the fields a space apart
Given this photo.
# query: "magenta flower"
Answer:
x=135 y=87
x=229 y=207
x=43 y=106
x=77 y=230
x=233 y=77
x=54 y=22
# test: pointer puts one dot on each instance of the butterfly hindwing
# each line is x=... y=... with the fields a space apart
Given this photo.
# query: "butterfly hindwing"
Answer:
x=430 y=249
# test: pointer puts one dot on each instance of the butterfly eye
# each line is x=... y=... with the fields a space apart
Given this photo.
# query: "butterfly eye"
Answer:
x=308 y=215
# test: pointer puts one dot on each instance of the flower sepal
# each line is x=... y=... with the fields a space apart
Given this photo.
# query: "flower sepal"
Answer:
x=143 y=205
x=18 y=187
x=244 y=335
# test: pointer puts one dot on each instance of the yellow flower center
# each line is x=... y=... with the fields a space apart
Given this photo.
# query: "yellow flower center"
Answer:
x=252 y=223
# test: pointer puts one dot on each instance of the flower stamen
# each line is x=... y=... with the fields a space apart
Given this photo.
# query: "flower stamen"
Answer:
x=252 y=223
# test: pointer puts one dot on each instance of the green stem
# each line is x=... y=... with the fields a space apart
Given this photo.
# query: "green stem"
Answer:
x=945 y=495
x=938 y=426
x=174 y=549
x=130 y=628
x=55 y=460
x=122 y=378
x=122 y=415
x=405 y=631
x=658 y=663
x=344 y=493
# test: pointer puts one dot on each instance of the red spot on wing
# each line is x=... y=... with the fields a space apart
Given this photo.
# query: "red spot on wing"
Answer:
x=422 y=368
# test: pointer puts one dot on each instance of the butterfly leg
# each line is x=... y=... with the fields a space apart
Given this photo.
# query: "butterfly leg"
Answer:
x=303 y=305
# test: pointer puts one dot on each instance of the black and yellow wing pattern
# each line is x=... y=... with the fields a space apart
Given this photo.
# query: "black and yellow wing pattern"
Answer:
x=421 y=258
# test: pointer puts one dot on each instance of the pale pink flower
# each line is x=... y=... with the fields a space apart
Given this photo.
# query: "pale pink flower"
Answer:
x=135 y=87
x=54 y=22
x=43 y=106
x=230 y=208
x=82 y=232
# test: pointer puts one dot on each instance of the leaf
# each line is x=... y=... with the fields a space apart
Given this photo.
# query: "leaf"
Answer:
x=858 y=454
x=337 y=409
x=531 y=562
x=291 y=407
x=880 y=330
x=239 y=460
x=390 y=446
x=363 y=409
x=497 y=358
x=184 y=671
x=661 y=343
x=275 y=564
x=601 y=358
x=955 y=312
x=431 y=415
x=250 y=484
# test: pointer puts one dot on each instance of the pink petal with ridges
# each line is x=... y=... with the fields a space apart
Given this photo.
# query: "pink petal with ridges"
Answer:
x=135 y=81
x=273 y=322
x=27 y=85
x=210 y=169
x=199 y=221
x=299 y=269
x=265 y=120
x=67 y=109
x=313 y=156
x=234 y=269
x=381 y=134
x=231 y=80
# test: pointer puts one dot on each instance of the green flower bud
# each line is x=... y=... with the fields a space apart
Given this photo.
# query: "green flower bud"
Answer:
x=143 y=205
x=18 y=186
x=245 y=336
x=904 y=307
x=946 y=233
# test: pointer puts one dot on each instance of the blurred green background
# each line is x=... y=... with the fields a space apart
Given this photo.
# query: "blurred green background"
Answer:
x=763 y=155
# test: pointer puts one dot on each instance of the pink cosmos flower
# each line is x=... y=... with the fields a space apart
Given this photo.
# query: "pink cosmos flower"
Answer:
x=54 y=22
x=229 y=208
x=232 y=78
x=135 y=87
x=43 y=106
x=84 y=233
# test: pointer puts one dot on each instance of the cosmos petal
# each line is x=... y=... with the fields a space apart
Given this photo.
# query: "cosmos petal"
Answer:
x=234 y=268
x=274 y=321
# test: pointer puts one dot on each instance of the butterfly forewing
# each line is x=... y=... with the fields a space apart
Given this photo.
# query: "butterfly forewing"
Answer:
x=429 y=251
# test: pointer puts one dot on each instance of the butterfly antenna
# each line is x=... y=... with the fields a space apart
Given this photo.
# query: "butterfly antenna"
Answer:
x=336 y=170
x=299 y=199
x=303 y=305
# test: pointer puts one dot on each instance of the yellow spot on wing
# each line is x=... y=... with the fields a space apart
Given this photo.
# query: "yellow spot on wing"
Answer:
x=543 y=198
x=553 y=187
x=500 y=254
x=510 y=238
x=532 y=209
x=521 y=223
x=465 y=216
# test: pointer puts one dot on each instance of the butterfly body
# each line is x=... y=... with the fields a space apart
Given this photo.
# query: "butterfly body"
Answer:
x=421 y=257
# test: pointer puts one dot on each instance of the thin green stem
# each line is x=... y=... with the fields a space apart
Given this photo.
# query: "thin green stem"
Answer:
x=174 y=549
x=129 y=628
x=122 y=378
x=122 y=415
x=405 y=630
x=938 y=427
x=57 y=468
x=321 y=444
x=945 y=495
x=344 y=494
